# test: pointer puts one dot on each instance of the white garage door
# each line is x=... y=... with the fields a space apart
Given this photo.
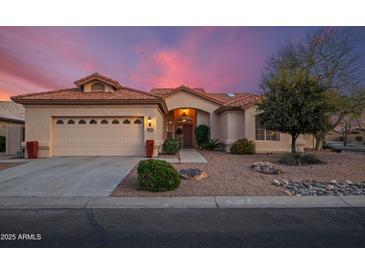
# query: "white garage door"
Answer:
x=95 y=136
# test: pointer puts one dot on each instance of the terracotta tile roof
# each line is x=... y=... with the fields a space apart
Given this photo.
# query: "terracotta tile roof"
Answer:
x=242 y=102
x=98 y=76
x=166 y=91
x=229 y=99
x=76 y=94
x=239 y=100
x=126 y=95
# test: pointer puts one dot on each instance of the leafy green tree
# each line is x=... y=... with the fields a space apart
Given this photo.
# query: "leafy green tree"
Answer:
x=293 y=103
x=330 y=55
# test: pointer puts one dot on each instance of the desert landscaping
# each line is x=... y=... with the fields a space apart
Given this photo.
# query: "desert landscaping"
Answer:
x=232 y=175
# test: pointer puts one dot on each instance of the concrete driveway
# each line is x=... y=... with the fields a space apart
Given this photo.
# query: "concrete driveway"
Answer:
x=66 y=176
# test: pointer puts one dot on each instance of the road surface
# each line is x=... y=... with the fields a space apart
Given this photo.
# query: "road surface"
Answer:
x=326 y=227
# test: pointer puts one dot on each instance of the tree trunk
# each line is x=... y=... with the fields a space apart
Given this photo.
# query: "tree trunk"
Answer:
x=321 y=135
x=320 y=138
x=345 y=139
x=293 y=141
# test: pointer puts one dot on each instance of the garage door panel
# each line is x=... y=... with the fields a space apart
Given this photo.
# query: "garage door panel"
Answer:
x=98 y=139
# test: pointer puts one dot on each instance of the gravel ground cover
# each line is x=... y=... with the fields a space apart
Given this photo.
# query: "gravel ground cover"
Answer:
x=232 y=175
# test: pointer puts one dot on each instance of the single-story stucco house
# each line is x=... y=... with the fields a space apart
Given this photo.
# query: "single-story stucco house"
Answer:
x=99 y=116
x=11 y=127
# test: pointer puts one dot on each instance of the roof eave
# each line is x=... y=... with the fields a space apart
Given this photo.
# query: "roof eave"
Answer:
x=161 y=104
x=227 y=108
x=20 y=121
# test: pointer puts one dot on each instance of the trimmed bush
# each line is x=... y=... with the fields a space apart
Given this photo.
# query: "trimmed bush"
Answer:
x=299 y=159
x=171 y=146
x=2 y=143
x=157 y=176
x=201 y=135
x=243 y=146
x=212 y=145
x=358 y=138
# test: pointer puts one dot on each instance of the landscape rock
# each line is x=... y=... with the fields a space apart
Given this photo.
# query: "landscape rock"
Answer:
x=317 y=188
x=193 y=173
x=266 y=168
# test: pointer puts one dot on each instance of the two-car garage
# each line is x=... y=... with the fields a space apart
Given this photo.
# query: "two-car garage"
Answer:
x=93 y=136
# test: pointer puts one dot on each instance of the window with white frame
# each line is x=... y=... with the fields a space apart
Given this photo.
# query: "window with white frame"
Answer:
x=263 y=134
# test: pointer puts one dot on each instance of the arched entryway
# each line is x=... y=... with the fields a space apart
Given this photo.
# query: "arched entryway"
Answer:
x=181 y=122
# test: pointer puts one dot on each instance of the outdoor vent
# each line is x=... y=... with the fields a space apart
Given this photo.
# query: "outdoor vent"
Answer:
x=230 y=94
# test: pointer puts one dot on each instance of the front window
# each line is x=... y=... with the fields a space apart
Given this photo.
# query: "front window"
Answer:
x=263 y=134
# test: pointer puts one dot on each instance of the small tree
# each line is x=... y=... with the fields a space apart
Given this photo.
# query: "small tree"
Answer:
x=293 y=104
x=201 y=134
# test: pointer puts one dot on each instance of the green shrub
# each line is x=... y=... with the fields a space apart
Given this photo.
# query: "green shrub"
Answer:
x=2 y=143
x=171 y=146
x=201 y=135
x=212 y=145
x=299 y=159
x=358 y=138
x=157 y=175
x=243 y=146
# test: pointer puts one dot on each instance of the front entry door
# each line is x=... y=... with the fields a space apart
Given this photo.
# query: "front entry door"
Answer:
x=187 y=135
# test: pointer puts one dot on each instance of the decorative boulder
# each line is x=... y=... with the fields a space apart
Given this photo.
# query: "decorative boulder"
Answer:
x=266 y=168
x=193 y=173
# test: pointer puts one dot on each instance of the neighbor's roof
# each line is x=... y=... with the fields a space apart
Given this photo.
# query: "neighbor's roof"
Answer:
x=356 y=124
x=11 y=111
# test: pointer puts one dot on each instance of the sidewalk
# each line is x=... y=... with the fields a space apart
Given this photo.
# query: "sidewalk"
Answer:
x=181 y=202
x=187 y=155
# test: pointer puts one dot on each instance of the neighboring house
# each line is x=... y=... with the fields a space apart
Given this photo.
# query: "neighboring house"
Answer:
x=12 y=126
x=356 y=130
x=101 y=117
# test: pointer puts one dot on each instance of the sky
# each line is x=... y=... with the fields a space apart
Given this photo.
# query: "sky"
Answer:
x=218 y=59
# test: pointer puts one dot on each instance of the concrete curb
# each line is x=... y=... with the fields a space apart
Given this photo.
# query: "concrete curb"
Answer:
x=181 y=202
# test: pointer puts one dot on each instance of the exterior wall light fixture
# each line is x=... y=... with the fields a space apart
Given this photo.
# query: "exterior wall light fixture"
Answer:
x=149 y=119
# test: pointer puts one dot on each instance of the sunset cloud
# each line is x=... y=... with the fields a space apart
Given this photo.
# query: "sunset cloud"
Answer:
x=218 y=59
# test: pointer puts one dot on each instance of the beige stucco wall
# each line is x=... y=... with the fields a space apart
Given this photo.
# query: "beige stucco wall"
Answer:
x=202 y=118
x=232 y=126
x=185 y=99
x=38 y=125
x=284 y=145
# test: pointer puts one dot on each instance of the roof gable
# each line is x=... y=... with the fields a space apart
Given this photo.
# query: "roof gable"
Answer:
x=98 y=77
x=164 y=93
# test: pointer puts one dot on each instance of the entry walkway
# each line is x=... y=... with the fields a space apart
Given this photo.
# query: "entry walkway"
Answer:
x=187 y=155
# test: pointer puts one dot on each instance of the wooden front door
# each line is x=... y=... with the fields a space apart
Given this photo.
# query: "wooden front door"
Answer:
x=187 y=135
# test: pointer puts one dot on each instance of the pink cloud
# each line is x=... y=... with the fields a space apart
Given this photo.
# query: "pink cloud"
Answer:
x=40 y=58
x=202 y=59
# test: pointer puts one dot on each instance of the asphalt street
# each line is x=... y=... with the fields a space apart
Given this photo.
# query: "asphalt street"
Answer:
x=261 y=227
